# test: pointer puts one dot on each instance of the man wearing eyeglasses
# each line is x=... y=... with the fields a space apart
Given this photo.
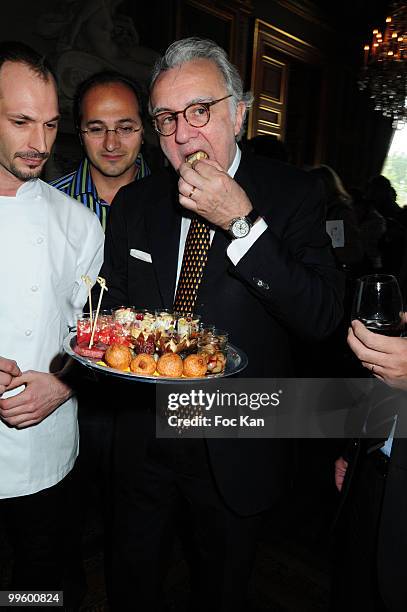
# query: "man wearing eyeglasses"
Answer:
x=265 y=274
x=107 y=115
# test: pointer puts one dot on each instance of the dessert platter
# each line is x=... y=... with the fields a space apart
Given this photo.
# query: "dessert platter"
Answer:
x=153 y=346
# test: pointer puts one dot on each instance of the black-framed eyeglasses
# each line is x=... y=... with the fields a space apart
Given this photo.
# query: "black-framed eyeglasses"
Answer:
x=97 y=132
x=197 y=115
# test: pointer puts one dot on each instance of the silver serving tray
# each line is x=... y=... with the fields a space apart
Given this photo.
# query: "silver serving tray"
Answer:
x=236 y=362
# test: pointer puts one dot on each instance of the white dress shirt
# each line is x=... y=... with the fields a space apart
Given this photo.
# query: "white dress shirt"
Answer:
x=237 y=248
x=47 y=241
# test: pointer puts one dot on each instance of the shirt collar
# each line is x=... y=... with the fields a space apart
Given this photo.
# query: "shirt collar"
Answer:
x=235 y=163
x=84 y=183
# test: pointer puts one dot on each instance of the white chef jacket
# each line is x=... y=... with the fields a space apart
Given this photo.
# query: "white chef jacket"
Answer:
x=47 y=241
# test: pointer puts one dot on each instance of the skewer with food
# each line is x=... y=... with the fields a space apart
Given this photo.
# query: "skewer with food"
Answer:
x=150 y=343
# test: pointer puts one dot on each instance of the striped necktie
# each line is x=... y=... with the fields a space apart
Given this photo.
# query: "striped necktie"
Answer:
x=193 y=263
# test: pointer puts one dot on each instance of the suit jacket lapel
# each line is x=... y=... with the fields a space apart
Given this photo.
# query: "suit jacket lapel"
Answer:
x=163 y=224
x=216 y=266
x=218 y=261
x=244 y=178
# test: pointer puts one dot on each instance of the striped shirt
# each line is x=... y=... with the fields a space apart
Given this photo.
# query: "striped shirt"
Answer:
x=80 y=186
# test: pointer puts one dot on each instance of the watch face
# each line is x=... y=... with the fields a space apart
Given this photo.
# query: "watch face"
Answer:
x=240 y=228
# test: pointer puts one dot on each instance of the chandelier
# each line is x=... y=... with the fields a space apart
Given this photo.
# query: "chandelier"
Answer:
x=385 y=66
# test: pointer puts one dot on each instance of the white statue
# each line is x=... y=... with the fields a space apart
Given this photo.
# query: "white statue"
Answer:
x=92 y=36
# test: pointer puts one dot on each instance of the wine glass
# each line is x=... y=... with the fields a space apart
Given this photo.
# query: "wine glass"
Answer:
x=378 y=304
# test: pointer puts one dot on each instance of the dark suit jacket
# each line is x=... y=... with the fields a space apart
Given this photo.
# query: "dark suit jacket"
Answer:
x=299 y=296
x=392 y=540
x=392 y=527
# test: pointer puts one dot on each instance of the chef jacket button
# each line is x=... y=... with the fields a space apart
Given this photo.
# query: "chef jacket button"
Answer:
x=34 y=288
x=40 y=240
x=28 y=332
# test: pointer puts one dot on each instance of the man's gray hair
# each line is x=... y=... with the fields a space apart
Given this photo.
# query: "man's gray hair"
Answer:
x=194 y=48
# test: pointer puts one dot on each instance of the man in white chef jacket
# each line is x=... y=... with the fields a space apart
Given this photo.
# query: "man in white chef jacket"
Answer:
x=47 y=242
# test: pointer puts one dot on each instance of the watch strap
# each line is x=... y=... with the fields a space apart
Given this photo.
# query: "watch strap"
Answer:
x=253 y=215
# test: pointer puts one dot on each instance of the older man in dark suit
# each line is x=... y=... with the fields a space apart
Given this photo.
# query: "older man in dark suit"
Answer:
x=265 y=273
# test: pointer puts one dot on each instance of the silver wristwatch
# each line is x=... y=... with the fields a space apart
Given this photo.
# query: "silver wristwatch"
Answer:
x=240 y=226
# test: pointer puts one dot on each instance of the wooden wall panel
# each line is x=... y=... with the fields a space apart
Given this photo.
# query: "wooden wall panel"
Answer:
x=227 y=22
x=277 y=55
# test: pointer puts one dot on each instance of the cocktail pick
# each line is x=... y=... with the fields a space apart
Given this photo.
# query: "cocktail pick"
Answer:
x=102 y=283
x=88 y=282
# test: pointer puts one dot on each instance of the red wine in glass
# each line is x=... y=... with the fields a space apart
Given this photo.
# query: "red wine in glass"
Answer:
x=378 y=304
x=385 y=328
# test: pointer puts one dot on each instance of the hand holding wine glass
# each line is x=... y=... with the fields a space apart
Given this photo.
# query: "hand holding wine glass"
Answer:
x=378 y=304
x=384 y=356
